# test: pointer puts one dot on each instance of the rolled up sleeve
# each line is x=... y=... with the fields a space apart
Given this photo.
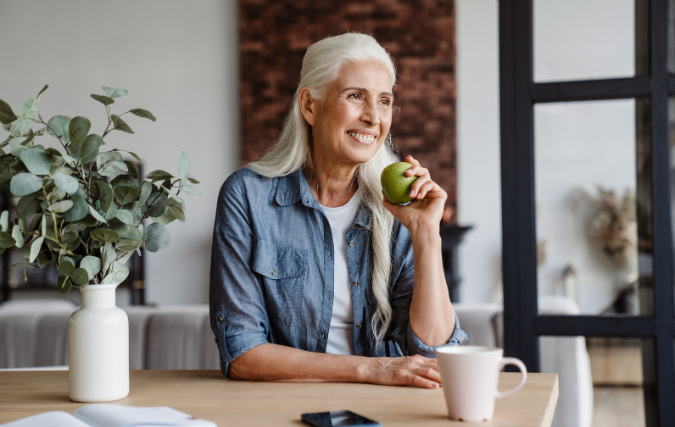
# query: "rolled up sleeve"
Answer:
x=238 y=315
x=406 y=343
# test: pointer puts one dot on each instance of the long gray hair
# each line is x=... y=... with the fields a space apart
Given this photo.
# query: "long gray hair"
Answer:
x=292 y=151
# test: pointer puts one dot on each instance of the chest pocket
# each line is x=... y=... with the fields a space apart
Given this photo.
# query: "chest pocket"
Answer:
x=282 y=274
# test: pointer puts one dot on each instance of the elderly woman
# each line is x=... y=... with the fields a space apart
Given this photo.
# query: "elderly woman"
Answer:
x=315 y=276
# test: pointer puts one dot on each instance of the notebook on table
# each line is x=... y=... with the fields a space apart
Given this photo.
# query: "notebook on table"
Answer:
x=106 y=415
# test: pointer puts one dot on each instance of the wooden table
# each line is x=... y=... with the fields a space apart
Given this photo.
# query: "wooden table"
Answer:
x=206 y=394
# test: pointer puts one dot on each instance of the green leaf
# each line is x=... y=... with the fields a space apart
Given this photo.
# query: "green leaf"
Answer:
x=158 y=175
x=61 y=206
x=126 y=195
x=90 y=148
x=28 y=109
x=103 y=99
x=66 y=183
x=56 y=195
x=183 y=164
x=113 y=93
x=16 y=145
x=105 y=194
x=132 y=169
x=130 y=241
x=24 y=183
x=96 y=215
x=59 y=125
x=130 y=152
x=35 y=248
x=79 y=210
x=119 y=180
x=112 y=168
x=104 y=236
x=176 y=209
x=146 y=190
x=34 y=223
x=21 y=127
x=7 y=116
x=37 y=98
x=112 y=212
x=92 y=265
x=118 y=274
x=6 y=172
x=17 y=236
x=143 y=113
x=190 y=189
x=106 y=157
x=78 y=129
x=156 y=237
x=36 y=160
x=55 y=165
x=125 y=216
x=64 y=284
x=193 y=180
x=80 y=277
x=6 y=240
x=120 y=124
x=67 y=266
x=4 y=221
x=165 y=219
x=69 y=237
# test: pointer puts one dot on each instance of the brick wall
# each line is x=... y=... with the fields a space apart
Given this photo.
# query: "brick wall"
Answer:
x=420 y=35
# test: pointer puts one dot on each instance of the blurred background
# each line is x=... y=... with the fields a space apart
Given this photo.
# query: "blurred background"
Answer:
x=219 y=76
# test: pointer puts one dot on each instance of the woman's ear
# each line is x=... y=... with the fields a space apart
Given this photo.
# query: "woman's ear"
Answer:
x=307 y=105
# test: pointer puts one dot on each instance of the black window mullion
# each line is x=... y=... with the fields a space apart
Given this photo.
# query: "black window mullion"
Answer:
x=517 y=160
x=608 y=326
x=661 y=213
x=587 y=90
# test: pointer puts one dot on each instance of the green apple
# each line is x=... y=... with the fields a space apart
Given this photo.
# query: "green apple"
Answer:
x=396 y=184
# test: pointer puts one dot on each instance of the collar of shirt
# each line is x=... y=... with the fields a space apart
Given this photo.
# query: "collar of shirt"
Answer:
x=294 y=187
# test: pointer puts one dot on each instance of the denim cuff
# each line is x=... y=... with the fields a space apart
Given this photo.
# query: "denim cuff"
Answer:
x=237 y=345
x=417 y=346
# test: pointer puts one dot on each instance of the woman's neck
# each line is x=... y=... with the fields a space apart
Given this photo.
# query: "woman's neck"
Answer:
x=332 y=185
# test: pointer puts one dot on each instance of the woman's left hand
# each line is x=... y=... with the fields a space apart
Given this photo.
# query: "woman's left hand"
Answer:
x=426 y=209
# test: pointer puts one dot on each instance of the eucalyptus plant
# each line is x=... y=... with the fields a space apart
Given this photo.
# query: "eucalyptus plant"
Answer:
x=82 y=209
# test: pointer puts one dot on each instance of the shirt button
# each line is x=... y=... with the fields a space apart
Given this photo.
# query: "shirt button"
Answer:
x=355 y=283
x=358 y=325
x=351 y=243
x=220 y=319
x=323 y=335
x=273 y=272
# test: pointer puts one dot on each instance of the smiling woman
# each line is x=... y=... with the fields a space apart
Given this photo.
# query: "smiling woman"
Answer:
x=310 y=258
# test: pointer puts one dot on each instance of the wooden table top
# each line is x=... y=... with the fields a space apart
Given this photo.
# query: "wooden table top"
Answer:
x=207 y=395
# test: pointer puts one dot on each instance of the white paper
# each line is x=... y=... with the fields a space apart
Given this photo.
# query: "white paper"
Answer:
x=106 y=415
x=48 y=419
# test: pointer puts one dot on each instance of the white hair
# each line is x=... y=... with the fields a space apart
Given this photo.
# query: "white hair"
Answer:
x=292 y=151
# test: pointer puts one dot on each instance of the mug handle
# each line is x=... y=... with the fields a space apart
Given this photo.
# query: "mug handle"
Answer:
x=523 y=370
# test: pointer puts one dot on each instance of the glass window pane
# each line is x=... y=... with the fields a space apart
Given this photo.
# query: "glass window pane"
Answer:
x=600 y=380
x=589 y=39
x=593 y=207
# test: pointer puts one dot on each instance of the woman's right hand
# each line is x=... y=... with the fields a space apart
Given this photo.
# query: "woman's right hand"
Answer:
x=416 y=371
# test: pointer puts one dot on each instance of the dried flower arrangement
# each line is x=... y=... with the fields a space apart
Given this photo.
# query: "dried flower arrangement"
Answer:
x=613 y=223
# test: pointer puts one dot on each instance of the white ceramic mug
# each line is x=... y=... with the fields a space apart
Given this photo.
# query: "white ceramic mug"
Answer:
x=470 y=375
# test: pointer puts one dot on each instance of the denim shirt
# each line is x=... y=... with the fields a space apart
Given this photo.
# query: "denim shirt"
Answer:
x=272 y=273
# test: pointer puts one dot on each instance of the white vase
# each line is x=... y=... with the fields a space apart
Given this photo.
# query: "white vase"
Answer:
x=99 y=347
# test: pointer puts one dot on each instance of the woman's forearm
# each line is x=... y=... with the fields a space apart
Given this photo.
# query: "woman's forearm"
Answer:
x=272 y=362
x=432 y=317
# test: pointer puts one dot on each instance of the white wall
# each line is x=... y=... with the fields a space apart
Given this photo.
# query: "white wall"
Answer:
x=577 y=144
x=179 y=60
x=478 y=161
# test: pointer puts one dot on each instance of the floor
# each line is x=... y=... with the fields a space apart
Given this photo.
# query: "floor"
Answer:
x=618 y=407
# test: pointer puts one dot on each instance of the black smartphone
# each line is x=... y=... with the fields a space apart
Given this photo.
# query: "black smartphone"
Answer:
x=338 y=418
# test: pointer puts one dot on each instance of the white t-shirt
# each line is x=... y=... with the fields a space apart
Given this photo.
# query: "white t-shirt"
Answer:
x=341 y=332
